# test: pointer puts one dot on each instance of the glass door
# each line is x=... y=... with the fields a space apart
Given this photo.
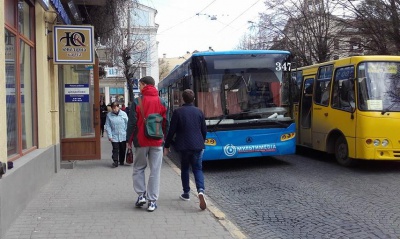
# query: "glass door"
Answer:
x=79 y=112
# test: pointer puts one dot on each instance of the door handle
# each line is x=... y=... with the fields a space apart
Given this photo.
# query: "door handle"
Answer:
x=326 y=114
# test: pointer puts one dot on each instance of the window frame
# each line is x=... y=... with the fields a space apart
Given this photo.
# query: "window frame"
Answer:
x=337 y=88
x=323 y=84
x=20 y=38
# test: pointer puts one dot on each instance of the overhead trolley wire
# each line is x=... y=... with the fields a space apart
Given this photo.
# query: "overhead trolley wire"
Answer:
x=238 y=16
x=207 y=6
x=188 y=18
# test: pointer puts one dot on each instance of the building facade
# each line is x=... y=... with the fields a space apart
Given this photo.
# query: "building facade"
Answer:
x=167 y=64
x=41 y=108
x=138 y=31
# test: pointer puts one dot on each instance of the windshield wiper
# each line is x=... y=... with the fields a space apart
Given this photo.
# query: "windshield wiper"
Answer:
x=390 y=107
x=222 y=117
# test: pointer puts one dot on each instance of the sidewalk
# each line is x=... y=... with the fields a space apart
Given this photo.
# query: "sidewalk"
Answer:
x=94 y=200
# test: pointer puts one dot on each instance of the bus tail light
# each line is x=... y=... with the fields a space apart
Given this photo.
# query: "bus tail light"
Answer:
x=368 y=141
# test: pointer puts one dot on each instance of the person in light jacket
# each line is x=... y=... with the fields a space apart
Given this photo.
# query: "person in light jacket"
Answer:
x=116 y=124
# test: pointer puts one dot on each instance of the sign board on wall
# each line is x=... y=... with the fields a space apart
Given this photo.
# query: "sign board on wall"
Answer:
x=114 y=72
x=76 y=93
x=73 y=44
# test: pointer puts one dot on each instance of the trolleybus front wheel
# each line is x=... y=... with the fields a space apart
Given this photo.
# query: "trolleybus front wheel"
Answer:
x=342 y=152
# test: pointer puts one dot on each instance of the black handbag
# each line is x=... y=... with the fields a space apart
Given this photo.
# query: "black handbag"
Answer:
x=129 y=156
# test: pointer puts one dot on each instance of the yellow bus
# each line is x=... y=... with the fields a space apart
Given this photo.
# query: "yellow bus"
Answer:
x=350 y=108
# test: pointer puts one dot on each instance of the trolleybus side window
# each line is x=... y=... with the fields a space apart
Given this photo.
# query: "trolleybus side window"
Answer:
x=207 y=87
x=177 y=90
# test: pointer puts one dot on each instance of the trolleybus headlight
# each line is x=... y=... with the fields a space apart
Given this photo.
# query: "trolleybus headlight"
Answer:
x=385 y=142
x=377 y=142
x=368 y=141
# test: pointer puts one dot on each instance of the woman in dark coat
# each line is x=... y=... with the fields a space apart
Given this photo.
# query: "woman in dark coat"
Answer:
x=103 y=115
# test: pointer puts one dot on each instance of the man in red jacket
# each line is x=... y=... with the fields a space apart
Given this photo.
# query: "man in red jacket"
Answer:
x=147 y=150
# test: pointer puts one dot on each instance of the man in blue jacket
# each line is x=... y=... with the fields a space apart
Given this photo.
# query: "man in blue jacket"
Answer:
x=189 y=126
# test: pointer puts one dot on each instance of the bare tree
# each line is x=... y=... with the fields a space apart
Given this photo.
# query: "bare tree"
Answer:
x=104 y=18
x=253 y=40
x=164 y=68
x=377 y=22
x=124 y=40
x=307 y=28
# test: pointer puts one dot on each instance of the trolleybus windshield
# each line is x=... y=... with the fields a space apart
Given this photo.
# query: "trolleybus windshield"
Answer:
x=232 y=88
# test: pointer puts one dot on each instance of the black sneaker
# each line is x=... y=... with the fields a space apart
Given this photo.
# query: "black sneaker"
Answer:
x=185 y=196
x=115 y=164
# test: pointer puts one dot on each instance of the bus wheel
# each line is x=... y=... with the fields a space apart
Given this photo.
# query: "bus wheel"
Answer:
x=342 y=152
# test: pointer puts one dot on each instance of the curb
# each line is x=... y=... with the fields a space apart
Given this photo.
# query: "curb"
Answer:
x=218 y=214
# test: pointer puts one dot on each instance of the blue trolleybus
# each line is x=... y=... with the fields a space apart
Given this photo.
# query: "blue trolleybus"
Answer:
x=245 y=98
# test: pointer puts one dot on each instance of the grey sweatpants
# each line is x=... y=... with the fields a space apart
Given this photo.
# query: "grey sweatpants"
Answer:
x=153 y=156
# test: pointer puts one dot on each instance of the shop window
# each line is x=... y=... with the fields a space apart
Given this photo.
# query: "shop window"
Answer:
x=24 y=19
x=117 y=94
x=11 y=100
x=20 y=78
x=26 y=75
x=9 y=6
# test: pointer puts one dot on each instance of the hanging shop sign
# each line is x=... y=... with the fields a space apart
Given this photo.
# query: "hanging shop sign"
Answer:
x=73 y=44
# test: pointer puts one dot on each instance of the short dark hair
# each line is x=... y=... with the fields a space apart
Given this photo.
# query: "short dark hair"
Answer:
x=188 y=96
x=148 y=80
x=115 y=103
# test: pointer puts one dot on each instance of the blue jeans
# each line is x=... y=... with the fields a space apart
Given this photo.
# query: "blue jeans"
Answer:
x=191 y=158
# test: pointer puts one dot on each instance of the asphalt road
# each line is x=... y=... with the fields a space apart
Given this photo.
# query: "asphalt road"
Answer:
x=307 y=196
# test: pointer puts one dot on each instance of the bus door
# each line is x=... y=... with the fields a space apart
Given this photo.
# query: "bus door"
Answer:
x=322 y=117
x=343 y=116
x=305 y=116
